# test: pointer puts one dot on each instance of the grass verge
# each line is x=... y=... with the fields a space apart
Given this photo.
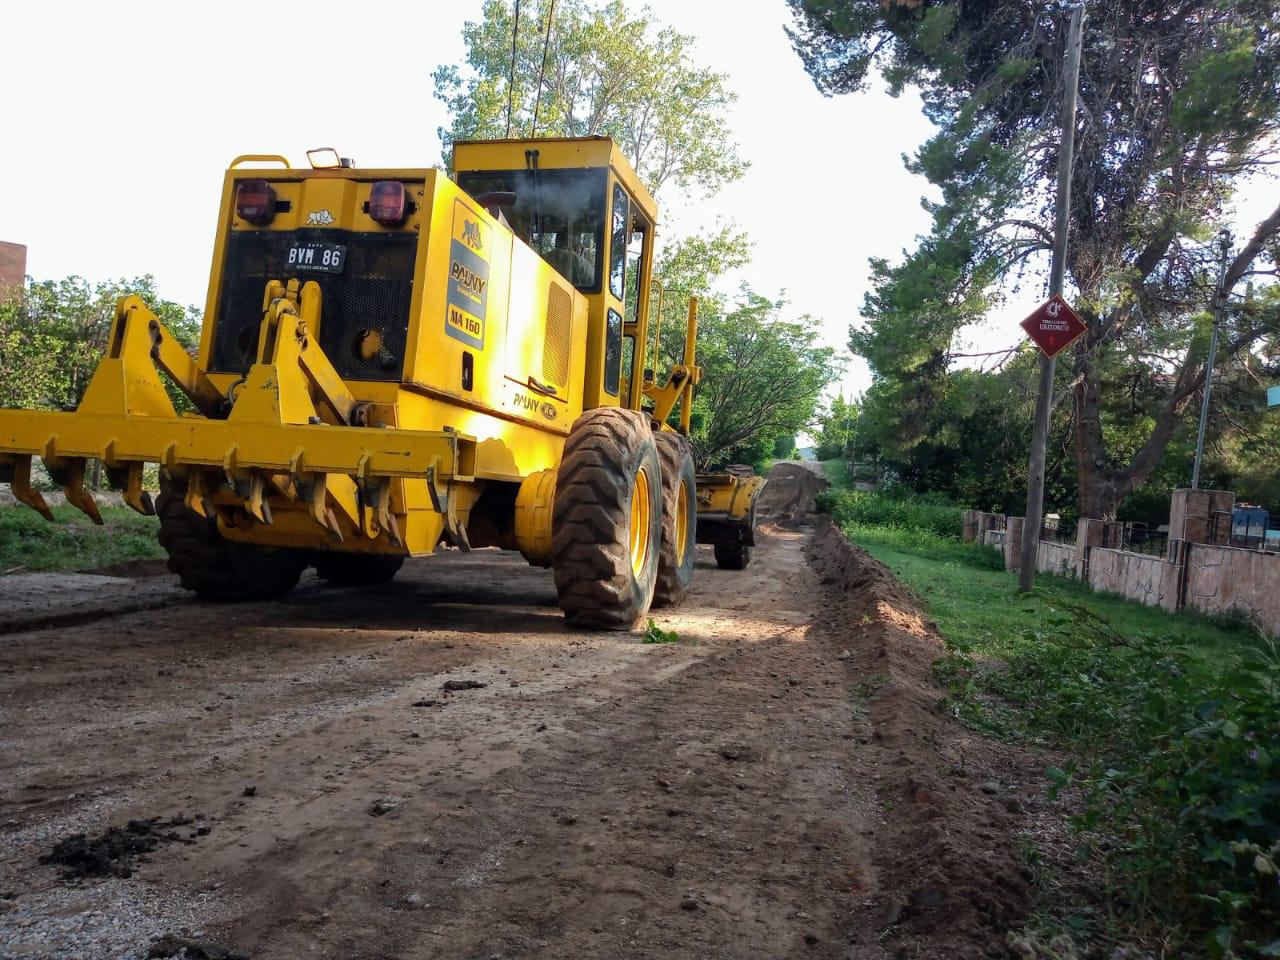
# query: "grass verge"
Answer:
x=1173 y=722
x=29 y=543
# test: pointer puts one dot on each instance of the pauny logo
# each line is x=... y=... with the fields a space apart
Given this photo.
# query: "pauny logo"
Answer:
x=468 y=280
x=319 y=218
x=548 y=411
x=471 y=235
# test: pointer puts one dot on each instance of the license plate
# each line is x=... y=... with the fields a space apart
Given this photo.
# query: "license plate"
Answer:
x=320 y=257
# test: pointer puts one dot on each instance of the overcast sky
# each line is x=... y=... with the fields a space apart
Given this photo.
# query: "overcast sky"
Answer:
x=119 y=131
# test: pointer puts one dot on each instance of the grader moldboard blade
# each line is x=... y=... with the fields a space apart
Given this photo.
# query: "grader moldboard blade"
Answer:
x=727 y=514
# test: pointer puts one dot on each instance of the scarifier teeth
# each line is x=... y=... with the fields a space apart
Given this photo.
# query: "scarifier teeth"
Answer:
x=18 y=474
x=255 y=504
x=195 y=498
x=128 y=480
x=69 y=474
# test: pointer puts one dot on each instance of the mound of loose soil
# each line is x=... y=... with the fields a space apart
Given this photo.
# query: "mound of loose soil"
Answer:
x=788 y=496
x=950 y=877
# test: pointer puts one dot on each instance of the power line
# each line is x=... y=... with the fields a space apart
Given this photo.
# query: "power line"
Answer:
x=546 y=45
x=511 y=74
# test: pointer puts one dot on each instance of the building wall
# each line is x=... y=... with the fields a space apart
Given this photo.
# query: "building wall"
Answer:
x=13 y=265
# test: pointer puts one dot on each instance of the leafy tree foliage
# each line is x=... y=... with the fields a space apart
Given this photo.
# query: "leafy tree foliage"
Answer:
x=1180 y=103
x=54 y=332
x=608 y=71
x=762 y=377
x=837 y=428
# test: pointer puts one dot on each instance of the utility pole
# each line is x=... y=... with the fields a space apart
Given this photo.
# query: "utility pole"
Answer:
x=1057 y=271
x=1219 y=304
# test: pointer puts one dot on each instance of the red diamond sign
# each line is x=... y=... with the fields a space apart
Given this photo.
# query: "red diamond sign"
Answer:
x=1054 y=326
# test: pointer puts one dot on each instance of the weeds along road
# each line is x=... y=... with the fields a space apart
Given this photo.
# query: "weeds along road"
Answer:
x=595 y=797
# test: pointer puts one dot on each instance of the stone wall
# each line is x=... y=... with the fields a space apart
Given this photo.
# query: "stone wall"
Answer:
x=1056 y=558
x=1198 y=572
x=1134 y=576
x=978 y=522
x=1228 y=580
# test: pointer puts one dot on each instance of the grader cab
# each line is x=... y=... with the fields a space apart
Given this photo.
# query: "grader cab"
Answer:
x=391 y=360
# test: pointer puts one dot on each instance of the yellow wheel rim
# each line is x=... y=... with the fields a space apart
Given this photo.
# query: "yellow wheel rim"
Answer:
x=640 y=518
x=682 y=522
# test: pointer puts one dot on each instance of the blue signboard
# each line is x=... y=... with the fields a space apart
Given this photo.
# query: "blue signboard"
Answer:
x=1273 y=396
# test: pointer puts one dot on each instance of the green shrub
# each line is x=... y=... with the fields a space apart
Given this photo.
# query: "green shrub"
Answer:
x=1176 y=750
x=911 y=514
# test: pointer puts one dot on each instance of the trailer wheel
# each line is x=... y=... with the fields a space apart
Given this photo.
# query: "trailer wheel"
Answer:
x=732 y=556
x=357 y=569
x=218 y=569
x=679 y=519
x=607 y=520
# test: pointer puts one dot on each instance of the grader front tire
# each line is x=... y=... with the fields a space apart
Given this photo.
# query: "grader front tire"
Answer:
x=679 y=519
x=607 y=520
x=215 y=568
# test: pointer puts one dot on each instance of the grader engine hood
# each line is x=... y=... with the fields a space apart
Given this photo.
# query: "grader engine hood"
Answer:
x=355 y=237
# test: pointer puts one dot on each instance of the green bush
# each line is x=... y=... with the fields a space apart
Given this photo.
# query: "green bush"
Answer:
x=1176 y=750
x=929 y=516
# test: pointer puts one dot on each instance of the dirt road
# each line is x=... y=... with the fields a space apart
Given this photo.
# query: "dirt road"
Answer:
x=735 y=794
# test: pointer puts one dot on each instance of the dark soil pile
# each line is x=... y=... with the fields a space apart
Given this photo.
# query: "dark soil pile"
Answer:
x=952 y=882
x=115 y=851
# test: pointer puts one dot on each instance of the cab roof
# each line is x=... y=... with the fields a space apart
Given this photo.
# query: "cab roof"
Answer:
x=554 y=153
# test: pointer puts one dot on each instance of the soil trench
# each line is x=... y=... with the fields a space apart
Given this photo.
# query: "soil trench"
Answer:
x=749 y=791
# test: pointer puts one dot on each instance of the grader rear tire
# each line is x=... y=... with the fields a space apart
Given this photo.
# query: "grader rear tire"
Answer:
x=679 y=519
x=357 y=569
x=217 y=569
x=607 y=520
x=732 y=556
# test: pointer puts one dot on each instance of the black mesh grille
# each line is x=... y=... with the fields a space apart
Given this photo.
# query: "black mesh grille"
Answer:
x=372 y=293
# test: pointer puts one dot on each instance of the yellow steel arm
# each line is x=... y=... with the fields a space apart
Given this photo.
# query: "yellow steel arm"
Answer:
x=684 y=377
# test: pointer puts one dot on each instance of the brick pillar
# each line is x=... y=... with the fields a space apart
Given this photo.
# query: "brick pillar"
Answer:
x=984 y=524
x=1090 y=533
x=1013 y=543
x=1201 y=516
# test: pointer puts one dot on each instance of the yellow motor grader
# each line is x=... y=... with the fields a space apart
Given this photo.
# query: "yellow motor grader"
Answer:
x=392 y=360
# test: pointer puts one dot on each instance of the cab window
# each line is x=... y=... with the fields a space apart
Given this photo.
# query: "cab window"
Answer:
x=559 y=213
x=619 y=235
x=613 y=353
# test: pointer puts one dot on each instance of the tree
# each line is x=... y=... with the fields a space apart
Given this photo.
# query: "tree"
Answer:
x=762 y=377
x=1180 y=103
x=837 y=430
x=54 y=332
x=607 y=72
